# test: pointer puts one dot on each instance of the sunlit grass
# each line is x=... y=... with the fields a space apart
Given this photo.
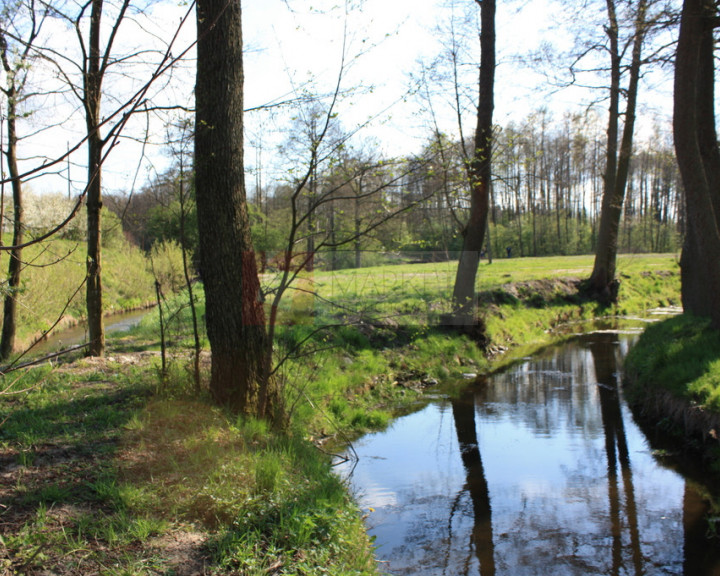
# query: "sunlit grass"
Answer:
x=345 y=336
x=105 y=464
x=673 y=373
x=423 y=291
x=151 y=459
x=682 y=355
x=258 y=491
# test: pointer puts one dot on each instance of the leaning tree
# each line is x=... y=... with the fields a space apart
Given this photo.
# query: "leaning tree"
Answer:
x=479 y=170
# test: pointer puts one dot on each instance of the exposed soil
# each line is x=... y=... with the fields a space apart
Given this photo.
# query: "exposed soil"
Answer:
x=183 y=552
x=690 y=427
x=537 y=293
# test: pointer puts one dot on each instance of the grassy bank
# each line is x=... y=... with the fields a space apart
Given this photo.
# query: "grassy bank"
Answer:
x=384 y=341
x=107 y=472
x=52 y=284
x=673 y=378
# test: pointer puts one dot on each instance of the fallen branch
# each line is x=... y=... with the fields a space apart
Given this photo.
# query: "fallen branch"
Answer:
x=11 y=367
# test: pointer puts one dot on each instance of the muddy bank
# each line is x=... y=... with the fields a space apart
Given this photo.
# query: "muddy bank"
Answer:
x=536 y=293
x=688 y=426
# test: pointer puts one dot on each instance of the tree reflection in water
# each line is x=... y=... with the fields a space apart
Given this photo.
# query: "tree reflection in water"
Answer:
x=539 y=471
x=606 y=369
x=481 y=539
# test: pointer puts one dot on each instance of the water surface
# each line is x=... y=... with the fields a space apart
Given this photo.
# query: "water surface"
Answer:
x=68 y=337
x=538 y=470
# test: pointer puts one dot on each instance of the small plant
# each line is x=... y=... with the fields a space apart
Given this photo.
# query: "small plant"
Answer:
x=54 y=493
x=26 y=457
x=268 y=473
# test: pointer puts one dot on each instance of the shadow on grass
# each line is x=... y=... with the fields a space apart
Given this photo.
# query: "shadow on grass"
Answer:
x=57 y=449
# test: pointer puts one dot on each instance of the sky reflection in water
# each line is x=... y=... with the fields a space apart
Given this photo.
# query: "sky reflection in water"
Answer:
x=540 y=471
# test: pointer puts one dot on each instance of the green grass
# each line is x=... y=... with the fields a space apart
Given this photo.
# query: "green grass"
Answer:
x=673 y=376
x=254 y=490
x=419 y=293
x=680 y=355
x=381 y=326
x=100 y=466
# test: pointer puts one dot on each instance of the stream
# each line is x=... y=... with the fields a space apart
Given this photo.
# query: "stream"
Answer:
x=538 y=470
x=78 y=334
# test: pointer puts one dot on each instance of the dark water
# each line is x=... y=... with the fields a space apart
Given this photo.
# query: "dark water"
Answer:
x=538 y=471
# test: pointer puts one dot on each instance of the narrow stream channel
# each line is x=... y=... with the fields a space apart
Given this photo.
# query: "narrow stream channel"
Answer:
x=78 y=334
x=539 y=470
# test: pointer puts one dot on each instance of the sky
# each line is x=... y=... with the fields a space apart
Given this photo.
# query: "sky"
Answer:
x=287 y=45
x=396 y=36
x=295 y=46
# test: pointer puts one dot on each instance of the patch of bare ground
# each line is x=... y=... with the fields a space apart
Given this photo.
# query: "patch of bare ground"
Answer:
x=536 y=293
x=110 y=362
x=182 y=552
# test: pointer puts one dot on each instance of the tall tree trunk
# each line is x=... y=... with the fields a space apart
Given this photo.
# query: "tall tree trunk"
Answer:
x=92 y=97
x=7 y=341
x=15 y=62
x=602 y=281
x=696 y=292
x=698 y=158
x=479 y=173
x=234 y=310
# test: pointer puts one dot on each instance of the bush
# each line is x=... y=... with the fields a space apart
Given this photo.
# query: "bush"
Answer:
x=167 y=265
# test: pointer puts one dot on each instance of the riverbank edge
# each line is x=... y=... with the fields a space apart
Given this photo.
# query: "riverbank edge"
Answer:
x=668 y=402
x=555 y=303
x=69 y=321
x=694 y=426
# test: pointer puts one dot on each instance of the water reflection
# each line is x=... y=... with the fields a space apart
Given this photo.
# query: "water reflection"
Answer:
x=540 y=470
x=67 y=337
x=481 y=538
x=616 y=448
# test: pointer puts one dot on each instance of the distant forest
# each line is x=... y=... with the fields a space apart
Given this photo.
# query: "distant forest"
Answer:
x=546 y=199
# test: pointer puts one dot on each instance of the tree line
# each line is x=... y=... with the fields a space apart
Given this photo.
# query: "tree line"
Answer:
x=546 y=199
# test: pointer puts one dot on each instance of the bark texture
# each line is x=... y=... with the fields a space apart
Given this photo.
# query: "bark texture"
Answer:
x=479 y=173
x=602 y=281
x=92 y=98
x=234 y=311
x=698 y=158
x=9 y=326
